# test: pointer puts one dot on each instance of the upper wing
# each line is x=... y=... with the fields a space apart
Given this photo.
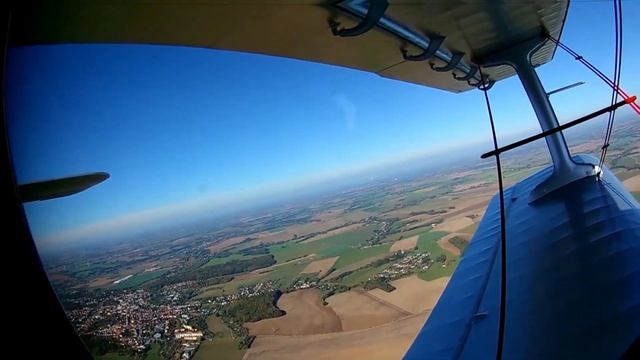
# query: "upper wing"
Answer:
x=573 y=278
x=301 y=29
x=55 y=188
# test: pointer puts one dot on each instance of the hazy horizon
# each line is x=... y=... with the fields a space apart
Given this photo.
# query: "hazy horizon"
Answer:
x=184 y=131
x=177 y=218
x=211 y=208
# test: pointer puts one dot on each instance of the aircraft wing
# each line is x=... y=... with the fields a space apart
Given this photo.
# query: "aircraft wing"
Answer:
x=301 y=29
x=572 y=278
x=55 y=188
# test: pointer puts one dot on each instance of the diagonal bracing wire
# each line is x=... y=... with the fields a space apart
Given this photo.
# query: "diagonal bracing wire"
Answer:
x=503 y=227
x=598 y=73
x=617 y=10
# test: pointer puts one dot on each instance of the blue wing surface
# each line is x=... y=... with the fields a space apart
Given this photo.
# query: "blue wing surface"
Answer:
x=573 y=277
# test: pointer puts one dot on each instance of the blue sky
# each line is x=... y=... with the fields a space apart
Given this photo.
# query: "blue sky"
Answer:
x=183 y=129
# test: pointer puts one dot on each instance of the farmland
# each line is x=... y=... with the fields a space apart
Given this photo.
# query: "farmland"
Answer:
x=331 y=277
x=139 y=279
x=222 y=345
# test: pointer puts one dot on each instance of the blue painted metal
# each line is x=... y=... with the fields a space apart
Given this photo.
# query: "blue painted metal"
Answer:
x=565 y=170
x=543 y=109
x=359 y=8
x=573 y=277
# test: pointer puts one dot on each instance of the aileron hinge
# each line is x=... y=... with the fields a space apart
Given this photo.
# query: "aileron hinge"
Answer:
x=434 y=44
x=472 y=72
x=455 y=60
x=375 y=12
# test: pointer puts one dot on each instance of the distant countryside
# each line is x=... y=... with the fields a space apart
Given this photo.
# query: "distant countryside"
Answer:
x=339 y=275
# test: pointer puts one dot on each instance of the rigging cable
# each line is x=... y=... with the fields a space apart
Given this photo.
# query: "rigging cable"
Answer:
x=615 y=92
x=617 y=70
x=598 y=73
x=503 y=227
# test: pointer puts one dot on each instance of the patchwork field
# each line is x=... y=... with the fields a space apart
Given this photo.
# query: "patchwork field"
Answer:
x=222 y=346
x=373 y=324
x=445 y=242
x=359 y=310
x=475 y=207
x=139 y=279
x=220 y=245
x=334 y=232
x=405 y=244
x=355 y=255
x=101 y=282
x=633 y=184
x=389 y=341
x=361 y=275
x=469 y=186
x=284 y=273
x=327 y=247
x=305 y=314
x=356 y=265
x=454 y=225
x=426 y=190
x=320 y=267
x=328 y=224
x=333 y=245
x=413 y=294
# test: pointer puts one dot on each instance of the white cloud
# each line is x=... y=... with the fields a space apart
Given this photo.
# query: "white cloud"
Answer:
x=348 y=108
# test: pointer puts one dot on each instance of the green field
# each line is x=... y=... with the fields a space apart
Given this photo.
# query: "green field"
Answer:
x=211 y=292
x=428 y=243
x=360 y=276
x=520 y=174
x=351 y=256
x=222 y=260
x=344 y=245
x=625 y=162
x=417 y=196
x=222 y=346
x=626 y=174
x=327 y=247
x=397 y=226
x=437 y=271
x=284 y=274
x=139 y=279
x=405 y=234
x=636 y=194
x=153 y=353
